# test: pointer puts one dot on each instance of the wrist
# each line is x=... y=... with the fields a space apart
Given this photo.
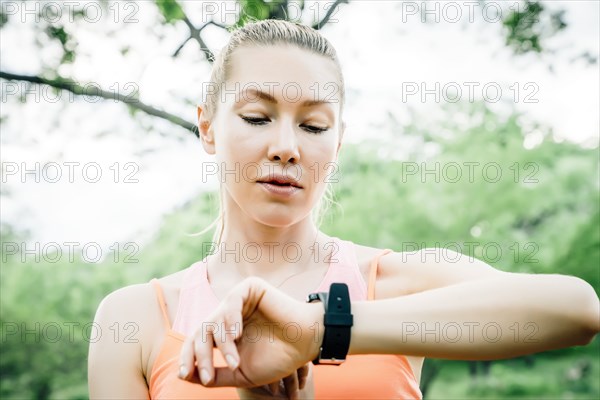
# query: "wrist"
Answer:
x=317 y=330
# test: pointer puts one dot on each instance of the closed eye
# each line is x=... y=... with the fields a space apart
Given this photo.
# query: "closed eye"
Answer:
x=314 y=129
x=255 y=121
x=263 y=121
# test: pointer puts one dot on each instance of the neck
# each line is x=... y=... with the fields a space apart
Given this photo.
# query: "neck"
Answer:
x=272 y=253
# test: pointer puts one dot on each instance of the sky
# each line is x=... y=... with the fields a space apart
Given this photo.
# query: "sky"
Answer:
x=149 y=167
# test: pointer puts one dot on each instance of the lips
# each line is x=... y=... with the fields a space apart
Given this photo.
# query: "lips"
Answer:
x=280 y=180
x=280 y=191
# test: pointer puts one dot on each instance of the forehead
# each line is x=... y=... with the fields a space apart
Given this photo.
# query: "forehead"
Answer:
x=285 y=72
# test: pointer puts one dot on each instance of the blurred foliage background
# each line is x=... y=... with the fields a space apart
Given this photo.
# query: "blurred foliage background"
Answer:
x=540 y=215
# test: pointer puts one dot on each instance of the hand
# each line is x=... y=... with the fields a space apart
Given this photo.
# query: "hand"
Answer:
x=299 y=385
x=264 y=334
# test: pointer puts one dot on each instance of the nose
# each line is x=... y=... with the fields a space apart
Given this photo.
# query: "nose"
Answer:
x=284 y=145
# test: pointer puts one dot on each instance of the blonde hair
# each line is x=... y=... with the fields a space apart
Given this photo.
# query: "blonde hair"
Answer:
x=268 y=33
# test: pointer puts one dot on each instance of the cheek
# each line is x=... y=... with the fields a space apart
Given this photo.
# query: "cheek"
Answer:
x=321 y=162
x=236 y=146
x=236 y=155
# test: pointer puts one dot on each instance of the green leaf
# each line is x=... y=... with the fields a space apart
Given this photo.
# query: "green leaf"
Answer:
x=171 y=10
x=3 y=19
x=252 y=10
x=527 y=27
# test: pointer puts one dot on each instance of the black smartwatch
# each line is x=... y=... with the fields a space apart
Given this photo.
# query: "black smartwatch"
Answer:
x=338 y=324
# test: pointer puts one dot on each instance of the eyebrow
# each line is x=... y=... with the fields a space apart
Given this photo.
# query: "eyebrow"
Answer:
x=267 y=97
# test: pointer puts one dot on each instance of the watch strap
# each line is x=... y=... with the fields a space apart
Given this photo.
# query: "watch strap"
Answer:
x=338 y=323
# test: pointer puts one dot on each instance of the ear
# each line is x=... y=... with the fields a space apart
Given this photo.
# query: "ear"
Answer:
x=206 y=132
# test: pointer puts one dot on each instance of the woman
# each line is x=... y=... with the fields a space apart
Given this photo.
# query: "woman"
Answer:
x=273 y=120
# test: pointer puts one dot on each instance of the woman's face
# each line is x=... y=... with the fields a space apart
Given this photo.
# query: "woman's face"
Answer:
x=278 y=114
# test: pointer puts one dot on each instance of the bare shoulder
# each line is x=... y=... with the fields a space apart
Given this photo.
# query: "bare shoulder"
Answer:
x=364 y=256
x=127 y=331
x=127 y=316
x=119 y=343
x=386 y=267
x=139 y=303
x=126 y=299
x=414 y=271
x=130 y=318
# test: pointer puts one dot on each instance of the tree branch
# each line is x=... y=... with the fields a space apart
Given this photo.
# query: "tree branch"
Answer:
x=325 y=19
x=195 y=34
x=176 y=53
x=211 y=22
x=95 y=91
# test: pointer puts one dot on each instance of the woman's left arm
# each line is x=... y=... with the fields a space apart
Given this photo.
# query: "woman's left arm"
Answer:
x=465 y=309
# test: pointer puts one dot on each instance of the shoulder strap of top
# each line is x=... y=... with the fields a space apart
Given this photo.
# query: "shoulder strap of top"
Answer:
x=162 y=303
x=373 y=274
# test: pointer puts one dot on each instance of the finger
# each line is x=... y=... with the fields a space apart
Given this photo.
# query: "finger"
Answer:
x=291 y=386
x=230 y=311
x=203 y=350
x=231 y=327
x=274 y=388
x=303 y=375
x=186 y=359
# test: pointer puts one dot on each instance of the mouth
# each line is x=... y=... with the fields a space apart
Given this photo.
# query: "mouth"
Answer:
x=280 y=189
x=282 y=183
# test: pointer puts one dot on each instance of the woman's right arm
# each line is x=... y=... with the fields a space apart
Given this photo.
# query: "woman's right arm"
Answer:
x=115 y=369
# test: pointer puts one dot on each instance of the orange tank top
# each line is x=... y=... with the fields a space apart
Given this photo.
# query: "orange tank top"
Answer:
x=360 y=377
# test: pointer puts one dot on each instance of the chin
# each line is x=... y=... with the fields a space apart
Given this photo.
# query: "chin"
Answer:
x=276 y=221
x=282 y=217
